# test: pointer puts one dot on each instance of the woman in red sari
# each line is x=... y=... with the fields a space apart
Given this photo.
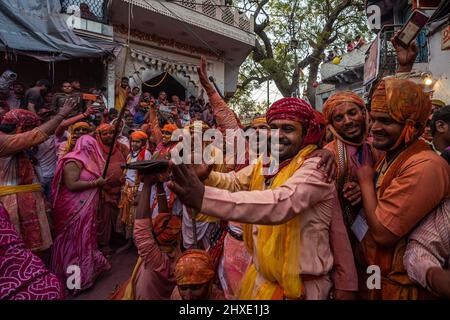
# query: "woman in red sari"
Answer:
x=76 y=192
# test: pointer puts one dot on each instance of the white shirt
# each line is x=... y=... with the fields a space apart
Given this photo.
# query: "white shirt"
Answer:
x=131 y=174
x=47 y=158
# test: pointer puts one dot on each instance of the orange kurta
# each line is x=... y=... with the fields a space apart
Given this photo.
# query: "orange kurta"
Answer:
x=420 y=184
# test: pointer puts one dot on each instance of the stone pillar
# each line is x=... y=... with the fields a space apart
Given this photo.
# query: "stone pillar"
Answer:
x=111 y=86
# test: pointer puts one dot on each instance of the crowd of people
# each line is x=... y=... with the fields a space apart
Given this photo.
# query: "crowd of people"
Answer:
x=357 y=186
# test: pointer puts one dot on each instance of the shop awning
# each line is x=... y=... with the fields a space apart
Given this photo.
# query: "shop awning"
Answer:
x=36 y=28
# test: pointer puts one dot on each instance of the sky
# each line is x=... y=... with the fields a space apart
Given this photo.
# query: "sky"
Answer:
x=260 y=95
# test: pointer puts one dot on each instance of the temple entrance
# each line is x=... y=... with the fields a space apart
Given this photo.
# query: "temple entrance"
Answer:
x=165 y=82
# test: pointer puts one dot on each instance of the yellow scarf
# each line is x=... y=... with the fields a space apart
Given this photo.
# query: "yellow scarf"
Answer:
x=277 y=246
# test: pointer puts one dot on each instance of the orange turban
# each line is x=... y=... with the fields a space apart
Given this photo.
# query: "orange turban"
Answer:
x=139 y=135
x=406 y=103
x=337 y=99
x=200 y=124
x=170 y=127
x=194 y=267
x=166 y=228
x=258 y=121
x=80 y=125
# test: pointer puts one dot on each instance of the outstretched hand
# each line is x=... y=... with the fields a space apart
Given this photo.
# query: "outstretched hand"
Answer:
x=68 y=106
x=187 y=186
x=203 y=75
x=405 y=56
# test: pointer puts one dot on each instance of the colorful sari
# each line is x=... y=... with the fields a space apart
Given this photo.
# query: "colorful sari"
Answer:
x=23 y=276
x=75 y=214
x=22 y=196
x=110 y=197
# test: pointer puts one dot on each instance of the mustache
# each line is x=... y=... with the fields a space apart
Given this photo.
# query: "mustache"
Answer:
x=380 y=133
x=284 y=141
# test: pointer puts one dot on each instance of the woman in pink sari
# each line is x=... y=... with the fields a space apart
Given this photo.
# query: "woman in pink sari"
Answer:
x=75 y=191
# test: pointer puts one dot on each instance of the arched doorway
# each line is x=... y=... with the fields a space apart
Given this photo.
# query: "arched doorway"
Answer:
x=165 y=83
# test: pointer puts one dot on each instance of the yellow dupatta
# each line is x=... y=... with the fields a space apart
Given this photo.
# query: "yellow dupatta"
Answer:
x=277 y=246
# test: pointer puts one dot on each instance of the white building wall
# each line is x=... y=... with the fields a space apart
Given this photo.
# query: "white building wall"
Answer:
x=136 y=59
x=439 y=66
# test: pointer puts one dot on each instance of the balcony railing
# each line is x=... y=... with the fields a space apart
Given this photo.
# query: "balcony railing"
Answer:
x=216 y=9
x=95 y=10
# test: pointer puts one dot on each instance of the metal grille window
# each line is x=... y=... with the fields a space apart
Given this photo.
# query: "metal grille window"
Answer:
x=228 y=16
x=209 y=8
x=89 y=9
x=388 y=56
x=244 y=23
x=189 y=4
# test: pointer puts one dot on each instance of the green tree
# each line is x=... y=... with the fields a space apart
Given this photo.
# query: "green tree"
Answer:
x=292 y=38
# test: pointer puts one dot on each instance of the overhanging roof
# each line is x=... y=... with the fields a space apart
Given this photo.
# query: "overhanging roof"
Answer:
x=36 y=28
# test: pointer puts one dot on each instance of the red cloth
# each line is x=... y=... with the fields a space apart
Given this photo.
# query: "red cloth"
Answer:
x=21 y=118
x=118 y=158
x=297 y=109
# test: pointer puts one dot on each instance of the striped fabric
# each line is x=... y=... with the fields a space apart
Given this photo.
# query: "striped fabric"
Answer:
x=429 y=244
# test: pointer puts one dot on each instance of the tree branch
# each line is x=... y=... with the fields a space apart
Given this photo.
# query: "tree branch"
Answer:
x=248 y=80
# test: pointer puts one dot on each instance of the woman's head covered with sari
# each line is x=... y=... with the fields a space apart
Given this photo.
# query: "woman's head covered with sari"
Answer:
x=87 y=153
x=74 y=135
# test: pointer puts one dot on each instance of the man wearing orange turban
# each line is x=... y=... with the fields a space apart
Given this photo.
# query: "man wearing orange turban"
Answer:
x=410 y=181
x=109 y=210
x=348 y=120
x=194 y=274
x=138 y=152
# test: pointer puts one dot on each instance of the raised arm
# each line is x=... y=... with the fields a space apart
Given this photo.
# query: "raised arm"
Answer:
x=147 y=247
x=67 y=123
x=10 y=144
x=154 y=123
x=224 y=116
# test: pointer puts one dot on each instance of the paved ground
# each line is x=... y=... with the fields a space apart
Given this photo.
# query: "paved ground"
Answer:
x=122 y=265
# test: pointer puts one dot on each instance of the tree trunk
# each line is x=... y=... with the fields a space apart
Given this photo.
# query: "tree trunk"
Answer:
x=310 y=90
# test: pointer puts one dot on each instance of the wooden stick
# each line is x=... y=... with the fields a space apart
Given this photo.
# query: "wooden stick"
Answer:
x=116 y=132
x=194 y=228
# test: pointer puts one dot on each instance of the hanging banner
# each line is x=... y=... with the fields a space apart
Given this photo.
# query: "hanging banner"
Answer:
x=372 y=64
x=446 y=38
